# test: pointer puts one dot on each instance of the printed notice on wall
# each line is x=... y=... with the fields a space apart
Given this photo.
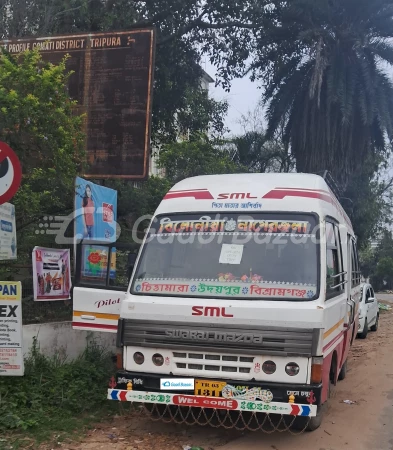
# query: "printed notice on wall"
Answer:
x=231 y=254
x=11 y=352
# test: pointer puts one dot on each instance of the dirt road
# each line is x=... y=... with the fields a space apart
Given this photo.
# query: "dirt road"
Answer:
x=368 y=424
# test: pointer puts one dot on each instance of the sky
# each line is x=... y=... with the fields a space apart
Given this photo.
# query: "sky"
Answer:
x=242 y=98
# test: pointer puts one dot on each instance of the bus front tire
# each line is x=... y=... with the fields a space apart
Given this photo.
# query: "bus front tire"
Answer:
x=309 y=423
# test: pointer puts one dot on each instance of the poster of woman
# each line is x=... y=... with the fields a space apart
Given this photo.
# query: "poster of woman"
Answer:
x=95 y=211
x=51 y=274
x=88 y=208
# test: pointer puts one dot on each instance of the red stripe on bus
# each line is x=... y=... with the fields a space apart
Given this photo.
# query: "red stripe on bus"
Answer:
x=197 y=195
x=332 y=342
x=280 y=194
x=94 y=325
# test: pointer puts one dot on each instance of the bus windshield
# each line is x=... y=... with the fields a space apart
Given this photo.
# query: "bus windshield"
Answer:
x=232 y=255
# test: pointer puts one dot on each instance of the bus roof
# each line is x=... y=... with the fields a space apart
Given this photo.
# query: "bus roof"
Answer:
x=297 y=192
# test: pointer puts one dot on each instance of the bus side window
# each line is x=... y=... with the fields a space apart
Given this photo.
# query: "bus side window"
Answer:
x=334 y=282
x=359 y=275
x=355 y=265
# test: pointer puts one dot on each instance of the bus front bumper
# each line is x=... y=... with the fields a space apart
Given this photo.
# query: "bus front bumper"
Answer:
x=285 y=399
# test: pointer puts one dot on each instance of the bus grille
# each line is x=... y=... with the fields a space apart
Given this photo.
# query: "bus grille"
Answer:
x=213 y=362
x=224 y=339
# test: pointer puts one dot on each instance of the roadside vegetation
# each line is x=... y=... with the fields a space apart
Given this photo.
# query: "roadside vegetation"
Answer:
x=55 y=399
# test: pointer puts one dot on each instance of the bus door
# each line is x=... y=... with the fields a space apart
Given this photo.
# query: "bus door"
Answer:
x=103 y=271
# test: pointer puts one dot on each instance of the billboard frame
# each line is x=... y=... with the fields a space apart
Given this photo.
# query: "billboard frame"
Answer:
x=149 y=103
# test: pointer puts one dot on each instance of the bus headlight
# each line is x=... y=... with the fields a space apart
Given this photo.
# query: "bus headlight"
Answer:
x=292 y=369
x=158 y=360
x=269 y=367
x=139 y=358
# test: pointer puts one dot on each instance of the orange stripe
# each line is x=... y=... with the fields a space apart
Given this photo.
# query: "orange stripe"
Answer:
x=334 y=328
x=97 y=315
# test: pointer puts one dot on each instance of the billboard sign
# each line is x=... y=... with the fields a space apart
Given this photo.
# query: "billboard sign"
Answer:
x=112 y=81
x=11 y=351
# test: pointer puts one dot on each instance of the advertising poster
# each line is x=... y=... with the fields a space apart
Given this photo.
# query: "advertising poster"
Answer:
x=11 y=351
x=7 y=232
x=95 y=211
x=95 y=262
x=51 y=274
x=95 y=219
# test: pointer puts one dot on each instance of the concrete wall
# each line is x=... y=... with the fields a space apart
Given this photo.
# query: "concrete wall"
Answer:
x=59 y=337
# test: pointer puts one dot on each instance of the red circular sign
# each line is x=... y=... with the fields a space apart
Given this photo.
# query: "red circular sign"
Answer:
x=10 y=173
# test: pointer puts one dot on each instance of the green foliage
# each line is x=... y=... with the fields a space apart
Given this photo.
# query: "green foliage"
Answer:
x=38 y=122
x=192 y=158
x=202 y=114
x=371 y=208
x=384 y=271
x=254 y=151
x=54 y=393
x=139 y=201
x=378 y=263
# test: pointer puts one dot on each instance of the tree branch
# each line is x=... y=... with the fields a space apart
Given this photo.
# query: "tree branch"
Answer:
x=198 y=23
x=385 y=188
x=234 y=23
x=67 y=11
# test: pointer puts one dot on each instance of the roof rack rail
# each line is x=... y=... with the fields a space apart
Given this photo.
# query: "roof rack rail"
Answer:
x=331 y=182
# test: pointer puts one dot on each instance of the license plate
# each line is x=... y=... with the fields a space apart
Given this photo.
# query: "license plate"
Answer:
x=209 y=388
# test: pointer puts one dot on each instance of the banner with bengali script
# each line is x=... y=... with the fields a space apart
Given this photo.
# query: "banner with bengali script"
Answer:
x=225 y=289
x=207 y=224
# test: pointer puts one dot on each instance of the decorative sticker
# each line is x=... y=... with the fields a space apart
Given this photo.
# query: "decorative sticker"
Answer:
x=252 y=394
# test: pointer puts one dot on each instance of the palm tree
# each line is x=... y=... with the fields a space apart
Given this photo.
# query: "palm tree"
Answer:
x=324 y=67
x=252 y=151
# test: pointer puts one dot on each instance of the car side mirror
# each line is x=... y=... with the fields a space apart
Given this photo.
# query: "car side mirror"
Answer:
x=370 y=300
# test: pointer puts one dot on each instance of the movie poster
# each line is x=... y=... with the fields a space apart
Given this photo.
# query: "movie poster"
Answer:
x=51 y=274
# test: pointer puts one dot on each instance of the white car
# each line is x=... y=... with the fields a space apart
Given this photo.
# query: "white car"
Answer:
x=369 y=312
